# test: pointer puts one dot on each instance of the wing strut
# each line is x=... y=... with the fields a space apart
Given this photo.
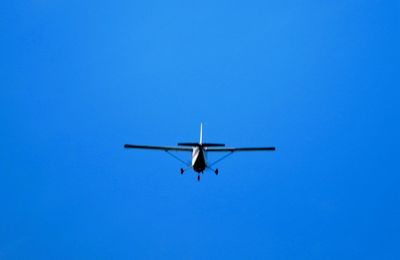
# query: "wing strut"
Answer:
x=177 y=158
x=220 y=159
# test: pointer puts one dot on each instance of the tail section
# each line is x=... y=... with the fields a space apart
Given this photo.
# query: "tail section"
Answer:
x=201 y=133
x=192 y=144
x=207 y=144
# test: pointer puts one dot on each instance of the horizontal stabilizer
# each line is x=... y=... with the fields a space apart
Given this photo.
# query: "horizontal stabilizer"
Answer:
x=240 y=149
x=213 y=145
x=188 y=144
x=162 y=148
x=204 y=145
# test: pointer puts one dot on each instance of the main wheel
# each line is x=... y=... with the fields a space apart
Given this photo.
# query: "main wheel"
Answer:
x=198 y=177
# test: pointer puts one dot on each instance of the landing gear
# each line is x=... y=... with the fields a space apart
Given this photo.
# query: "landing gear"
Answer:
x=182 y=170
x=216 y=171
x=198 y=177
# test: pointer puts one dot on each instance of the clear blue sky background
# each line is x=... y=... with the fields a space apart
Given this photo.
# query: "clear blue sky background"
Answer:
x=317 y=79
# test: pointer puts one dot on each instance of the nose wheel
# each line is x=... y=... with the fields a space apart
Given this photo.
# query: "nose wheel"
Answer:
x=216 y=171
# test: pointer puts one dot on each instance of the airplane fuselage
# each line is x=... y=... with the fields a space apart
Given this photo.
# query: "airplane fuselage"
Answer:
x=198 y=159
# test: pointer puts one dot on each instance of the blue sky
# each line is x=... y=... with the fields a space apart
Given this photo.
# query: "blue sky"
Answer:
x=318 y=80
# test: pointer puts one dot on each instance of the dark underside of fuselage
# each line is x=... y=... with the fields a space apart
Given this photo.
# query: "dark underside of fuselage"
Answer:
x=199 y=164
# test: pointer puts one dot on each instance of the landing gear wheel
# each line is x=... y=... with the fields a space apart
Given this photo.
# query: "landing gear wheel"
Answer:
x=182 y=170
x=216 y=171
x=198 y=177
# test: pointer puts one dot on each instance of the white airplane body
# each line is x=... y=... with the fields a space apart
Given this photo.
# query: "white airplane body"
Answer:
x=199 y=152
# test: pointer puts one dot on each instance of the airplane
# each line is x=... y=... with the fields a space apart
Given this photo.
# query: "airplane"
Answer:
x=199 y=152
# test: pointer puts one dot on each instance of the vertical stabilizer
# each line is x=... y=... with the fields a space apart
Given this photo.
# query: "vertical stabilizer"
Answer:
x=201 y=133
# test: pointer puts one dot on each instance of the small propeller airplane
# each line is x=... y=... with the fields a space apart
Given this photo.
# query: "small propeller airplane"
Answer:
x=199 y=152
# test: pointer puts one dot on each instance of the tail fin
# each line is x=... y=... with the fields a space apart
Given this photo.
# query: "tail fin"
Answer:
x=201 y=133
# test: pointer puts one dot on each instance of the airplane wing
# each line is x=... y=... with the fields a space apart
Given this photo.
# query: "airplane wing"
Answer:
x=160 y=148
x=240 y=149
